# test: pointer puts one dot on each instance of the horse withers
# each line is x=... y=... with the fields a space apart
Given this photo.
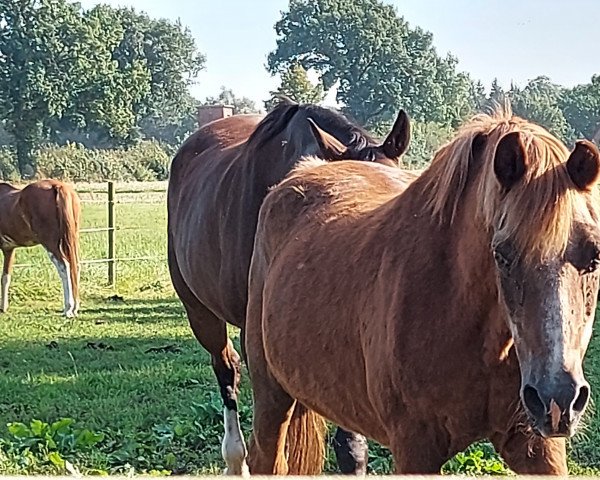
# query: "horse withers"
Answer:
x=44 y=213
x=218 y=181
x=431 y=312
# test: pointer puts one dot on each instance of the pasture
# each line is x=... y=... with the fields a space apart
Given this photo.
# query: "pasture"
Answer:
x=125 y=387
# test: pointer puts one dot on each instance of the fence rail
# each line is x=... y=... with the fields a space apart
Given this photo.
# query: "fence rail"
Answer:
x=111 y=230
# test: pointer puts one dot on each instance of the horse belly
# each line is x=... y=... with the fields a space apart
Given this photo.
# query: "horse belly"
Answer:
x=209 y=262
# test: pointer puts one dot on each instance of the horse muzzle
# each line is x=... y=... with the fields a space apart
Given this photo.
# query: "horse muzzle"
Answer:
x=555 y=408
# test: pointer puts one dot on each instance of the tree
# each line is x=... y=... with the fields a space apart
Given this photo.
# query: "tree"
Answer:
x=581 y=107
x=101 y=111
x=172 y=124
x=143 y=91
x=39 y=60
x=296 y=85
x=100 y=76
x=227 y=97
x=539 y=102
x=379 y=64
x=496 y=97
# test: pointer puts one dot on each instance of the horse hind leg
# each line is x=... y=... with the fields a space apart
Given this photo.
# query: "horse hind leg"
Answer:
x=227 y=368
x=9 y=260
x=64 y=272
x=351 y=452
x=211 y=332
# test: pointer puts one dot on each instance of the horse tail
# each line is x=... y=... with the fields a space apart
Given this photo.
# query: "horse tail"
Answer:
x=68 y=210
x=306 y=442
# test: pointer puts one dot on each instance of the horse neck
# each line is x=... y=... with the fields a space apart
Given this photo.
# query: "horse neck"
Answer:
x=462 y=247
x=471 y=245
x=272 y=162
x=7 y=194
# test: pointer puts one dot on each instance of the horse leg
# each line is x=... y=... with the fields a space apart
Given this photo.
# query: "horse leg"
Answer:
x=351 y=452
x=273 y=409
x=77 y=300
x=64 y=272
x=211 y=332
x=531 y=454
x=419 y=452
x=9 y=260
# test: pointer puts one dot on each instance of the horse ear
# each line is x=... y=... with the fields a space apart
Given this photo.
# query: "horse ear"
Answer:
x=331 y=147
x=584 y=165
x=398 y=140
x=510 y=160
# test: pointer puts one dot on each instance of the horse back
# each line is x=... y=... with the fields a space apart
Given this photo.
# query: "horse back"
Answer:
x=317 y=192
x=218 y=135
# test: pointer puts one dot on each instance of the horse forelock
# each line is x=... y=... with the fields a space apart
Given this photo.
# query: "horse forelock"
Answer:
x=537 y=214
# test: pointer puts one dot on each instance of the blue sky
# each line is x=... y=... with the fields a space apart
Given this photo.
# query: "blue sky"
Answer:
x=513 y=40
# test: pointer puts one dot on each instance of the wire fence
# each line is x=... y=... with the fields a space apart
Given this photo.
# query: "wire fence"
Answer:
x=109 y=196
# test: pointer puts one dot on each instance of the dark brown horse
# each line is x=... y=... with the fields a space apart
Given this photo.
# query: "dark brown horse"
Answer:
x=428 y=313
x=218 y=181
x=42 y=213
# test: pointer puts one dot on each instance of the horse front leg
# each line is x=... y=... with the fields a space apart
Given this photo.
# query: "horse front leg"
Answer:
x=9 y=261
x=526 y=453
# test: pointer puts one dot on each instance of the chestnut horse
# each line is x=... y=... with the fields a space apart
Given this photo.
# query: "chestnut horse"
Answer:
x=428 y=313
x=218 y=181
x=43 y=213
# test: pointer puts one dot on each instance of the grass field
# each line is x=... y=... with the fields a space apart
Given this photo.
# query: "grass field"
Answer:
x=125 y=387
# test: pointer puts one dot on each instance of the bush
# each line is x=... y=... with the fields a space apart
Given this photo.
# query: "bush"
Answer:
x=145 y=161
x=8 y=165
x=426 y=139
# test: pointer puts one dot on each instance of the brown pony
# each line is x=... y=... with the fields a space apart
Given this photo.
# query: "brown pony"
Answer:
x=42 y=213
x=427 y=313
x=218 y=181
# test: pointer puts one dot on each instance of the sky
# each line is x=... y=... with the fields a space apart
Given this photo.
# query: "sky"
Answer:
x=512 y=40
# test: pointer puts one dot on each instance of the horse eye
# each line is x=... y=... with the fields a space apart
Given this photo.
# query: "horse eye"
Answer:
x=591 y=260
x=592 y=266
x=502 y=262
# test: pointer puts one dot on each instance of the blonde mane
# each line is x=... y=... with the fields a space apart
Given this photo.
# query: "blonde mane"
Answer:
x=538 y=212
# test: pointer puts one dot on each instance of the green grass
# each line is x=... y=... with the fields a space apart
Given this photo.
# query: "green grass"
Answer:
x=134 y=408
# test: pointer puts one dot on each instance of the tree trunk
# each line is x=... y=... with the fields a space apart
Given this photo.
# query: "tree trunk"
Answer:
x=596 y=137
x=25 y=160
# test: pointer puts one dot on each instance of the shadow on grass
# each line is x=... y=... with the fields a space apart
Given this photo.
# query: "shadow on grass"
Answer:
x=126 y=310
x=121 y=384
x=137 y=397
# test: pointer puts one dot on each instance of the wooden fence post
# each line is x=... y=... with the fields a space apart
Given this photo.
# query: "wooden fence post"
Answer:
x=111 y=234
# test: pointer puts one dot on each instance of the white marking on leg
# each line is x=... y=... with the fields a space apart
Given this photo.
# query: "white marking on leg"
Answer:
x=64 y=272
x=5 y=285
x=77 y=300
x=233 y=447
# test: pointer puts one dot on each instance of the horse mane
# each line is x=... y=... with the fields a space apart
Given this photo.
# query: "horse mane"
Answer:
x=273 y=124
x=334 y=122
x=351 y=135
x=537 y=213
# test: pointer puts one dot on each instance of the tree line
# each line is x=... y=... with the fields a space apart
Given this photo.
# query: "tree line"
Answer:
x=380 y=64
x=107 y=77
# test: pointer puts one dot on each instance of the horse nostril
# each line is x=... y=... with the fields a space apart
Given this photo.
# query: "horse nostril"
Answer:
x=582 y=399
x=533 y=402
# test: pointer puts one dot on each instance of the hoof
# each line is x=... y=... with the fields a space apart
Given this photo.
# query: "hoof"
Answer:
x=243 y=471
